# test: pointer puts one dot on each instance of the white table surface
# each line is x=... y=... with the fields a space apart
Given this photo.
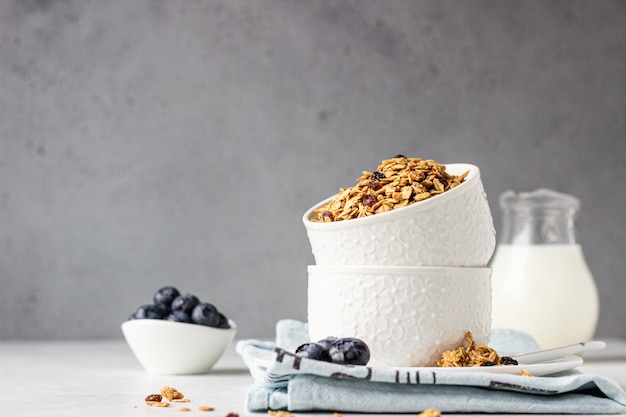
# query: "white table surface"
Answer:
x=103 y=378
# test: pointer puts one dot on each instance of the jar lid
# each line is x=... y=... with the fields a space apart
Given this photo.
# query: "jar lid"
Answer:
x=540 y=199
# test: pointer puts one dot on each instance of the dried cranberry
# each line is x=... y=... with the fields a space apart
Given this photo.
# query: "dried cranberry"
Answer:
x=374 y=185
x=328 y=215
x=369 y=200
x=154 y=397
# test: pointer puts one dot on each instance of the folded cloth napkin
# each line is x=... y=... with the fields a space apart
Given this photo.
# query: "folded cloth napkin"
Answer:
x=286 y=382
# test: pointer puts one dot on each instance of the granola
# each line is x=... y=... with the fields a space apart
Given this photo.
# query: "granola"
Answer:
x=279 y=413
x=469 y=355
x=430 y=412
x=396 y=183
x=171 y=393
x=205 y=408
x=157 y=404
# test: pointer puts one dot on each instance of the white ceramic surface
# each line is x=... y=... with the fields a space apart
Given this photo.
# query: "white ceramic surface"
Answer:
x=454 y=228
x=172 y=348
x=408 y=316
x=557 y=364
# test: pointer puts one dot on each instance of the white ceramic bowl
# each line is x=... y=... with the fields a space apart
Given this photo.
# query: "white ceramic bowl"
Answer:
x=170 y=348
x=408 y=316
x=454 y=228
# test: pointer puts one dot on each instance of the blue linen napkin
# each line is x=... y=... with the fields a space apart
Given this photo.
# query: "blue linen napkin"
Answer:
x=285 y=382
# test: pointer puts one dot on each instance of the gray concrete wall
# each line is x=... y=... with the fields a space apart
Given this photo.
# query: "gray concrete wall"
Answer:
x=145 y=143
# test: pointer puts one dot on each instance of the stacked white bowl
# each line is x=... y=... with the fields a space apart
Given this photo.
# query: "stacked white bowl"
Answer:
x=409 y=282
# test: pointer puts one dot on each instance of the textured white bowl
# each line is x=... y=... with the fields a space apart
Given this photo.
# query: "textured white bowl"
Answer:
x=408 y=316
x=454 y=228
x=171 y=348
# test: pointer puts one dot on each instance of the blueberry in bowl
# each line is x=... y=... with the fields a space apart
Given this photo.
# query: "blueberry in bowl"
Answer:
x=178 y=333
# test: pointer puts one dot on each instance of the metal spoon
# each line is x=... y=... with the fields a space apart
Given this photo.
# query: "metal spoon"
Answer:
x=548 y=355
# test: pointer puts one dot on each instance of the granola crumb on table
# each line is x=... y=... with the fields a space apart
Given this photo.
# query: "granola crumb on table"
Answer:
x=171 y=393
x=157 y=403
x=430 y=412
x=280 y=413
x=205 y=408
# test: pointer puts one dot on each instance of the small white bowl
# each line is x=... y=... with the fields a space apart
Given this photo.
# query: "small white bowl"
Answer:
x=173 y=348
x=408 y=316
x=454 y=228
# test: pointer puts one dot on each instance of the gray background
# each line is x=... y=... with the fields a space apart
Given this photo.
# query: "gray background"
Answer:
x=145 y=143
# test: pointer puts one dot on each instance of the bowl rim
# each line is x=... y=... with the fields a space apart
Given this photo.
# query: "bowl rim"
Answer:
x=153 y=322
x=395 y=270
x=472 y=177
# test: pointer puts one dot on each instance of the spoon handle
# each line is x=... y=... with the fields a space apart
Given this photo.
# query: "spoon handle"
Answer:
x=556 y=353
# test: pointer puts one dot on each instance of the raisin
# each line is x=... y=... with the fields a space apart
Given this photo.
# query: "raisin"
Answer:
x=328 y=215
x=489 y=364
x=506 y=360
x=374 y=185
x=369 y=200
x=399 y=156
x=377 y=176
x=154 y=397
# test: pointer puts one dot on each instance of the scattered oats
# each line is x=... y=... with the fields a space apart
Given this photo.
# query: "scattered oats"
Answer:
x=430 y=412
x=397 y=182
x=157 y=404
x=181 y=400
x=524 y=372
x=471 y=355
x=171 y=393
x=205 y=408
x=184 y=409
x=280 y=413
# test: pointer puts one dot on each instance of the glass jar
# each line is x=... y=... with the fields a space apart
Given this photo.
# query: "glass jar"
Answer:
x=540 y=279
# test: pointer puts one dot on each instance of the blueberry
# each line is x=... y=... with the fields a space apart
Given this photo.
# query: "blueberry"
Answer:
x=180 y=316
x=205 y=314
x=223 y=324
x=313 y=351
x=151 y=311
x=327 y=341
x=349 y=350
x=165 y=296
x=185 y=303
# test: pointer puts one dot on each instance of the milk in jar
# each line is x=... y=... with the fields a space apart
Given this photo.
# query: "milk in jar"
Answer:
x=541 y=282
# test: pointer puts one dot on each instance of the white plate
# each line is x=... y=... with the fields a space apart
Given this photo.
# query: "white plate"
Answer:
x=536 y=369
